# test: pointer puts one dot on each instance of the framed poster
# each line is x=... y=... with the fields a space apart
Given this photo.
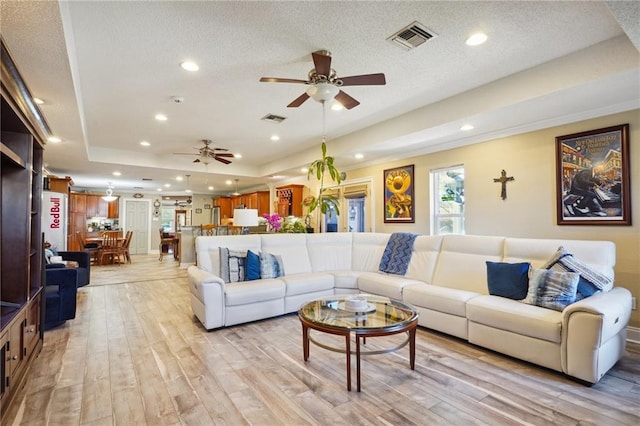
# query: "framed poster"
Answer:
x=207 y=206
x=592 y=177
x=198 y=211
x=398 y=195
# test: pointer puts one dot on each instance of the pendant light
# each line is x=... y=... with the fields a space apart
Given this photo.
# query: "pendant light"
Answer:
x=109 y=194
x=236 y=193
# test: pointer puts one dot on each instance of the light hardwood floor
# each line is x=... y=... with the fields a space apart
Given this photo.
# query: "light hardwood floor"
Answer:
x=136 y=355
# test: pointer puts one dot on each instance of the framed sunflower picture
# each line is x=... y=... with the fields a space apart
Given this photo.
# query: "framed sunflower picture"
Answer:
x=399 y=195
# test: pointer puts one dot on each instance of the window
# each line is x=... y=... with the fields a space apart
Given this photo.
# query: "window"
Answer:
x=447 y=203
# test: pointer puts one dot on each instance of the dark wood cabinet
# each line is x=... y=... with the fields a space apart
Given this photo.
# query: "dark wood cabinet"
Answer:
x=23 y=131
x=290 y=200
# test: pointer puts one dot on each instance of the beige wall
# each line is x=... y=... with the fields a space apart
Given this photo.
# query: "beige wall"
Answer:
x=530 y=207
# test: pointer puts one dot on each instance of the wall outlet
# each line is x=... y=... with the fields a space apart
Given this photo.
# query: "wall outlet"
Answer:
x=633 y=303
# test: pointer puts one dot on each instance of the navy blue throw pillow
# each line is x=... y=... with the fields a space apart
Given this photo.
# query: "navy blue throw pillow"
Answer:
x=509 y=280
x=253 y=266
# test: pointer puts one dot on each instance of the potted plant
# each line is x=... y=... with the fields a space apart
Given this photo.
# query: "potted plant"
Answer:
x=326 y=202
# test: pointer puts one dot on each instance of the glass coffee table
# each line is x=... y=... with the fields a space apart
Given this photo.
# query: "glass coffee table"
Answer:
x=382 y=317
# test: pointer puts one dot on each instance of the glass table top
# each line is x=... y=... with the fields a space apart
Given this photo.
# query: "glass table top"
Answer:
x=381 y=313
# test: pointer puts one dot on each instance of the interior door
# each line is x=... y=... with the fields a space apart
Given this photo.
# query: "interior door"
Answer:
x=137 y=220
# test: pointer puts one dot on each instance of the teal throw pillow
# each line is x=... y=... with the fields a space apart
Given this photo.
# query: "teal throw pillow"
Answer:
x=509 y=280
x=271 y=265
x=252 y=266
x=552 y=289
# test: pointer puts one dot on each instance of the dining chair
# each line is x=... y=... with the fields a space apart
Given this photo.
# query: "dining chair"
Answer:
x=92 y=248
x=111 y=248
x=223 y=230
x=125 y=246
x=208 y=229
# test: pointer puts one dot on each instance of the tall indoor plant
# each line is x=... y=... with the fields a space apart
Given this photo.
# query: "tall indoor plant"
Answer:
x=326 y=202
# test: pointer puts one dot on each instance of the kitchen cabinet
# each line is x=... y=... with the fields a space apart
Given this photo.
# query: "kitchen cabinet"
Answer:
x=224 y=203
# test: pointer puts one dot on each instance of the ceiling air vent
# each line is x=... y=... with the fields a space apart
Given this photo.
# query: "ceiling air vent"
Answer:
x=147 y=179
x=412 y=35
x=274 y=118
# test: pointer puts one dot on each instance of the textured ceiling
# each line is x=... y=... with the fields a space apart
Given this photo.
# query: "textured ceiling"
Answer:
x=106 y=68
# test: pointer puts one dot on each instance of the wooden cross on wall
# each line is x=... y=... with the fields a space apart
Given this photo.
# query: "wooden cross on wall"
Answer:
x=503 y=179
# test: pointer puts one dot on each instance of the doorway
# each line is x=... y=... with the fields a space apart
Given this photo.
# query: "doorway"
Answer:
x=137 y=220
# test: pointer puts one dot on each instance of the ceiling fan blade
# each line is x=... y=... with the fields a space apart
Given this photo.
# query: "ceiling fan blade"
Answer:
x=220 y=149
x=185 y=153
x=347 y=101
x=197 y=160
x=364 y=80
x=282 y=80
x=322 y=63
x=298 y=101
x=222 y=160
x=224 y=154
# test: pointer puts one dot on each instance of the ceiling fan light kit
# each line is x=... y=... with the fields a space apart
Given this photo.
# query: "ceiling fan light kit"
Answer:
x=325 y=84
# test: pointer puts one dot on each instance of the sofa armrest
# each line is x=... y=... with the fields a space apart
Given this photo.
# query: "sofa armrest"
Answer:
x=594 y=333
x=207 y=297
x=614 y=307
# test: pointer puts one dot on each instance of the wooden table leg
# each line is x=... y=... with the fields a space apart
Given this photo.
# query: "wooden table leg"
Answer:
x=348 y=353
x=358 y=361
x=412 y=348
x=305 y=341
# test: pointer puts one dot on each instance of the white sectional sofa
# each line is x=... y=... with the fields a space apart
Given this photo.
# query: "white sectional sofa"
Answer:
x=446 y=281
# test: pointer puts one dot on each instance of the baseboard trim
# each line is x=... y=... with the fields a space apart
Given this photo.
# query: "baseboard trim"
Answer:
x=633 y=334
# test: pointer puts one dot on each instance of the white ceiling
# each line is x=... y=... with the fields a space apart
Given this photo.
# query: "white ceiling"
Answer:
x=106 y=68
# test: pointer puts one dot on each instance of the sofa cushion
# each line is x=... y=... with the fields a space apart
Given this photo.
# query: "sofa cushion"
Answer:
x=330 y=251
x=552 y=289
x=208 y=253
x=367 y=250
x=346 y=279
x=425 y=255
x=461 y=263
x=307 y=283
x=510 y=315
x=509 y=280
x=384 y=284
x=292 y=248
x=232 y=265
x=254 y=292
x=590 y=281
x=436 y=298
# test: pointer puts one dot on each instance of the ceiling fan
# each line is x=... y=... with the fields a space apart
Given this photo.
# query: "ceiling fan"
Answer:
x=325 y=84
x=207 y=153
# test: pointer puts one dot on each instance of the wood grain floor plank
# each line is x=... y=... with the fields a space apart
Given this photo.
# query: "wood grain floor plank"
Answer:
x=135 y=354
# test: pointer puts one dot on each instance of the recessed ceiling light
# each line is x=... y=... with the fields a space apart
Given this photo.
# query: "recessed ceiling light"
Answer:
x=167 y=185
x=337 y=106
x=466 y=127
x=179 y=178
x=54 y=139
x=277 y=176
x=38 y=101
x=228 y=182
x=304 y=170
x=359 y=156
x=161 y=117
x=188 y=191
x=145 y=143
x=159 y=189
x=476 y=39
x=275 y=138
x=116 y=173
x=210 y=188
x=189 y=66
x=237 y=155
